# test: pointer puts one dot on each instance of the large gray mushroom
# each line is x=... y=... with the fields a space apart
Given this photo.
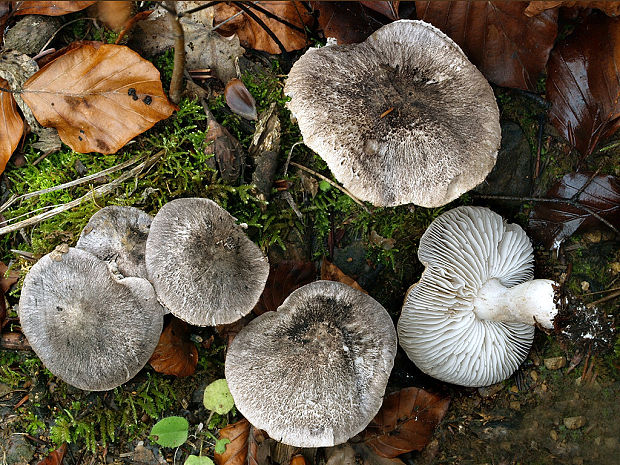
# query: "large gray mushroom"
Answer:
x=403 y=117
x=470 y=319
x=88 y=328
x=118 y=235
x=314 y=372
x=204 y=268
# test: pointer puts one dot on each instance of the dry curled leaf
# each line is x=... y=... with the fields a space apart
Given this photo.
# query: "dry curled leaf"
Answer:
x=98 y=98
x=351 y=453
x=610 y=8
x=551 y=223
x=509 y=48
x=55 y=457
x=405 y=422
x=240 y=100
x=252 y=35
x=347 y=22
x=331 y=272
x=228 y=155
x=175 y=353
x=11 y=125
x=114 y=14
x=49 y=8
x=243 y=446
x=389 y=9
x=583 y=83
x=283 y=279
x=14 y=341
x=6 y=281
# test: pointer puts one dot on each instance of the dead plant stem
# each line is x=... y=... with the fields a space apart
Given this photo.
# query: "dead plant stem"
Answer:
x=176 y=83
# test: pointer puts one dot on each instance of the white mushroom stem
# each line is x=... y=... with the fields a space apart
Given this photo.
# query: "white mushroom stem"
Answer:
x=530 y=302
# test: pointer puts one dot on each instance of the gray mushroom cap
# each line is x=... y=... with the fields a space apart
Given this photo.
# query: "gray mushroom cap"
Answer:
x=314 y=372
x=204 y=268
x=474 y=261
x=88 y=328
x=118 y=235
x=401 y=118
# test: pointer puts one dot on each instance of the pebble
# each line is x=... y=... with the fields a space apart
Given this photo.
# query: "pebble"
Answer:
x=555 y=363
x=553 y=434
x=575 y=422
x=20 y=451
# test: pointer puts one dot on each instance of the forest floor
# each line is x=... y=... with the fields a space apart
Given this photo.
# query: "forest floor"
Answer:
x=560 y=407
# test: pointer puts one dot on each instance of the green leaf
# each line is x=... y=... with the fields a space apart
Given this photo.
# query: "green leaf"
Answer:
x=218 y=398
x=195 y=460
x=324 y=186
x=170 y=432
x=220 y=445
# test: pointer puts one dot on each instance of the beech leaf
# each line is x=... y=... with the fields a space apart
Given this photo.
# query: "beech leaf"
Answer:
x=98 y=98
x=49 y=8
x=551 y=223
x=405 y=422
x=242 y=448
x=240 y=100
x=389 y=9
x=175 y=353
x=11 y=125
x=283 y=279
x=252 y=35
x=610 y=8
x=228 y=155
x=347 y=22
x=509 y=48
x=55 y=457
x=331 y=272
x=583 y=83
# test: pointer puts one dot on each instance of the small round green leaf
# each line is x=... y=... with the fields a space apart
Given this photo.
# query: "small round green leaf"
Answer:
x=195 y=460
x=170 y=432
x=220 y=445
x=324 y=186
x=218 y=398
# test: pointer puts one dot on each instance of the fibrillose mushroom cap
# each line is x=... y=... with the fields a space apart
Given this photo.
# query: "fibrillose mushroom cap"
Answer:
x=88 y=328
x=314 y=372
x=462 y=250
x=401 y=118
x=204 y=268
x=118 y=235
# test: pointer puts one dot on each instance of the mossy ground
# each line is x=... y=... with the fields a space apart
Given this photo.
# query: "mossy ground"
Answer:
x=477 y=428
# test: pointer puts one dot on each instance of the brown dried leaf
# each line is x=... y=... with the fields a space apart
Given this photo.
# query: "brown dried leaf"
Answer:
x=283 y=279
x=49 y=8
x=356 y=454
x=252 y=35
x=389 y=9
x=331 y=272
x=243 y=446
x=509 y=48
x=584 y=83
x=175 y=353
x=551 y=223
x=56 y=457
x=240 y=100
x=226 y=150
x=610 y=8
x=97 y=98
x=114 y=14
x=347 y=22
x=405 y=422
x=14 y=341
x=11 y=125
x=299 y=460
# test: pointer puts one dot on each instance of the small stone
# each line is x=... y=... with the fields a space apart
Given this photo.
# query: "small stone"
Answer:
x=575 y=422
x=534 y=375
x=555 y=363
x=585 y=286
x=515 y=405
x=142 y=455
x=4 y=389
x=20 y=451
x=553 y=434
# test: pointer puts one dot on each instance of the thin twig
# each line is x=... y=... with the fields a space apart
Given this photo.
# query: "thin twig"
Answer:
x=176 y=82
x=97 y=192
x=130 y=24
x=604 y=291
x=270 y=15
x=326 y=179
x=262 y=24
x=570 y=202
x=603 y=299
x=290 y=154
x=75 y=182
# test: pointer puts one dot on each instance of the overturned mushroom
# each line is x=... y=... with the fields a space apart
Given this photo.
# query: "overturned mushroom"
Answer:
x=314 y=372
x=204 y=268
x=470 y=319
x=403 y=117
x=118 y=235
x=88 y=328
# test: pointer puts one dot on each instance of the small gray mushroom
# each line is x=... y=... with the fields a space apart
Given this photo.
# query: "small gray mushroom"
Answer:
x=118 y=235
x=88 y=328
x=470 y=319
x=403 y=117
x=313 y=373
x=204 y=268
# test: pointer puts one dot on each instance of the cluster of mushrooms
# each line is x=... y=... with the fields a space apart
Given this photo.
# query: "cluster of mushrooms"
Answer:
x=314 y=372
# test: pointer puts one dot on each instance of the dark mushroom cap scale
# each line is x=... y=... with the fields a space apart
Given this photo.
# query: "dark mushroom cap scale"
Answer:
x=401 y=118
x=204 y=268
x=314 y=372
x=118 y=235
x=88 y=328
